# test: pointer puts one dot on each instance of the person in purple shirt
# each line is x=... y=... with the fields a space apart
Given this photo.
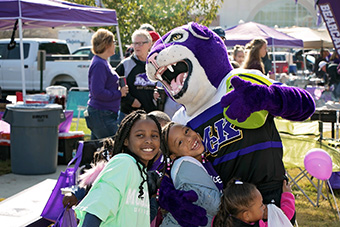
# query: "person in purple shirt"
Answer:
x=105 y=94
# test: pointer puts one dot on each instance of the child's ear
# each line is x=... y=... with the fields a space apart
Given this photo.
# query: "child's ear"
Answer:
x=245 y=216
x=126 y=142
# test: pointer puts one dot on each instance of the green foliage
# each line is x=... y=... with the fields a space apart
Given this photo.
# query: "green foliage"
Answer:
x=164 y=15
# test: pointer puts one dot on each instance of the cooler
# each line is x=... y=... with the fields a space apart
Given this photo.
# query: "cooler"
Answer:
x=4 y=139
x=67 y=145
x=4 y=148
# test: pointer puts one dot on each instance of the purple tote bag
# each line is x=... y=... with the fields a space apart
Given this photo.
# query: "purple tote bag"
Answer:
x=66 y=219
x=54 y=206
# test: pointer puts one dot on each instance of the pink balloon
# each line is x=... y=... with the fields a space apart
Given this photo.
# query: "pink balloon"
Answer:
x=318 y=163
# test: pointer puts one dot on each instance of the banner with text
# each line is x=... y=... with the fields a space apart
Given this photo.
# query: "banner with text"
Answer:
x=330 y=11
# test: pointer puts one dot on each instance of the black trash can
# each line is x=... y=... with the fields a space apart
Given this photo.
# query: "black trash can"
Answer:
x=34 y=137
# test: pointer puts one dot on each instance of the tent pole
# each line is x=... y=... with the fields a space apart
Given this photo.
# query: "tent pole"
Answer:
x=22 y=62
x=274 y=58
x=120 y=43
x=304 y=61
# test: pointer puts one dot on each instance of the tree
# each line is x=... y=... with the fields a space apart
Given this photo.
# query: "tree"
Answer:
x=164 y=15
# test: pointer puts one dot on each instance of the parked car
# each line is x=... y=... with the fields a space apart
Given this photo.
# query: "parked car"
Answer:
x=114 y=59
x=282 y=61
x=310 y=56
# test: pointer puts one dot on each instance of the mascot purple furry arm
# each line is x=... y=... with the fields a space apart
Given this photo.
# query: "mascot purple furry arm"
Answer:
x=232 y=109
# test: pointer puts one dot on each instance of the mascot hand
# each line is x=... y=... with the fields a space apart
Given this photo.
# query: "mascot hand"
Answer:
x=244 y=99
x=180 y=204
x=291 y=103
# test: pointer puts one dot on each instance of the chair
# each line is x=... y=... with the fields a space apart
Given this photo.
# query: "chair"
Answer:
x=318 y=163
x=77 y=101
x=304 y=174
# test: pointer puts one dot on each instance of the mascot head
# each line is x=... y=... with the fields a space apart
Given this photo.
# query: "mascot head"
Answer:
x=191 y=62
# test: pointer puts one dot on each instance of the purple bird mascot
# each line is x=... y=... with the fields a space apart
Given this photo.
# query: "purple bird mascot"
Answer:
x=232 y=109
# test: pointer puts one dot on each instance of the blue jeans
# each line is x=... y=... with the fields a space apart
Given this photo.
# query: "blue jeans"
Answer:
x=121 y=116
x=102 y=123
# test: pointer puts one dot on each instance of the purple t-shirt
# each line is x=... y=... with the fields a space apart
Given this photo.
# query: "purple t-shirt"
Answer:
x=103 y=86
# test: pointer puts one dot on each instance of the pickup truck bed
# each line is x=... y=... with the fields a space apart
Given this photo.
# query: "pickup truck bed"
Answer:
x=61 y=67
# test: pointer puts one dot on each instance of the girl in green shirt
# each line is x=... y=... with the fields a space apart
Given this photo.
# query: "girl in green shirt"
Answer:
x=119 y=195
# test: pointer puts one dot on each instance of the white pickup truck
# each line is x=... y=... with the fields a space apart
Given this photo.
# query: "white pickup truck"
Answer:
x=61 y=67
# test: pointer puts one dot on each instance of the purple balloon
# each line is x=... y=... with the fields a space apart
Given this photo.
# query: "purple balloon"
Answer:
x=318 y=163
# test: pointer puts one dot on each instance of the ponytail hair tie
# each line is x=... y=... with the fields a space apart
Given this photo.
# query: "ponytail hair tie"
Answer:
x=203 y=158
x=168 y=163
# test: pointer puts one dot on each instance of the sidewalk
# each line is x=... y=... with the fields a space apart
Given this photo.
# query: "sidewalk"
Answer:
x=12 y=184
x=25 y=197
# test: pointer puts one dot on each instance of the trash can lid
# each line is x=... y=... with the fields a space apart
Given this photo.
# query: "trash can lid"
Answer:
x=33 y=106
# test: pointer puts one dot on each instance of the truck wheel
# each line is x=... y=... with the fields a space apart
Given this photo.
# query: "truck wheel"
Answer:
x=67 y=85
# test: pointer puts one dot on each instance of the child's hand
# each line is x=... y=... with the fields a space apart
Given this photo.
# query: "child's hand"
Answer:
x=286 y=187
x=69 y=200
x=265 y=213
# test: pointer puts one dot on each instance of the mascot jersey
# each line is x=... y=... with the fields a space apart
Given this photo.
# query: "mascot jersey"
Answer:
x=254 y=155
x=192 y=63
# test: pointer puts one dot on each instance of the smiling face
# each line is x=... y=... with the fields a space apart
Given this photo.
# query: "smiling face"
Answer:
x=144 y=139
x=183 y=141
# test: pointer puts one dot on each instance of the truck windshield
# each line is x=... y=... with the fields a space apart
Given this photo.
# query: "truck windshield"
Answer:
x=54 y=48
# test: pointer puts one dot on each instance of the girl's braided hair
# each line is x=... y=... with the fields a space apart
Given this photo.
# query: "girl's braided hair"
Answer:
x=165 y=147
x=237 y=197
x=124 y=132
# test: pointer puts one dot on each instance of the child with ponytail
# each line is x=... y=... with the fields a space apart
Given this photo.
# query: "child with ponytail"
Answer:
x=241 y=205
x=119 y=195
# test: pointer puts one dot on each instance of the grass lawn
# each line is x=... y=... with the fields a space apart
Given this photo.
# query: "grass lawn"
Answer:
x=81 y=127
x=307 y=215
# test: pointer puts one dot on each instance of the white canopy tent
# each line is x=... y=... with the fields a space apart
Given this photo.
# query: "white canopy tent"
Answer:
x=312 y=38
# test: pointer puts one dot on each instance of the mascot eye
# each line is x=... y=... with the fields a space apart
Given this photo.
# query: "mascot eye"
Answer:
x=176 y=37
x=179 y=35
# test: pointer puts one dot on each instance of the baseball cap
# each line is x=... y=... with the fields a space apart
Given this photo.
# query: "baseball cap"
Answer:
x=219 y=31
x=154 y=35
x=322 y=64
